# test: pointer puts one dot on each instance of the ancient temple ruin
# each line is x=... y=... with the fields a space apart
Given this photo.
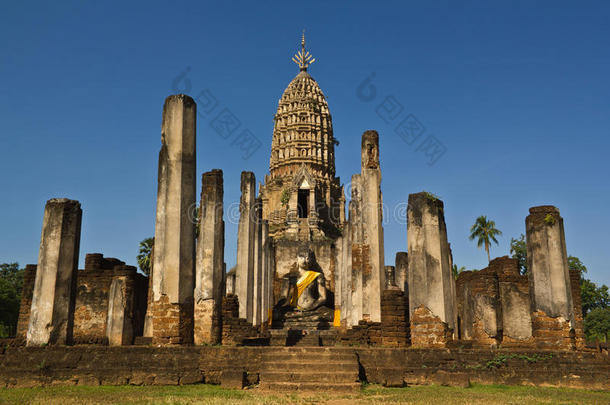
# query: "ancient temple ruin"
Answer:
x=310 y=271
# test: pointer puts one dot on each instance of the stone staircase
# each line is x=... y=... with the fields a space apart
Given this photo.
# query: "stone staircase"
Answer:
x=302 y=337
x=329 y=369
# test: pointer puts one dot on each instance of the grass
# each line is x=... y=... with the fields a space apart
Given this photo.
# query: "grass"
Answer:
x=372 y=394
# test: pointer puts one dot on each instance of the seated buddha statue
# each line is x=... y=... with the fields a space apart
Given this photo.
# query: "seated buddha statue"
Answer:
x=303 y=290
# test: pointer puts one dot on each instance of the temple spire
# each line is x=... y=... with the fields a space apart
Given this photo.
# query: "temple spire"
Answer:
x=303 y=58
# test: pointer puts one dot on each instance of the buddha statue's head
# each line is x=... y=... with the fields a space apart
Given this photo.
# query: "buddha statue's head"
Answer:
x=304 y=259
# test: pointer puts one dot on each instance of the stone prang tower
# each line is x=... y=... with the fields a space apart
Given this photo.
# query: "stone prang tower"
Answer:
x=302 y=199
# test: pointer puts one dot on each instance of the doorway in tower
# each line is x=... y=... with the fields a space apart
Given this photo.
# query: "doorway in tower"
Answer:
x=303 y=203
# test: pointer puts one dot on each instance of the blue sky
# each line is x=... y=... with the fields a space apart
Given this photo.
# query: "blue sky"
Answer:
x=517 y=92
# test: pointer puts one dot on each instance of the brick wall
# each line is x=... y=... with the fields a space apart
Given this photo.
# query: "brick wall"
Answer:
x=93 y=286
x=479 y=306
x=234 y=329
x=26 y=300
x=551 y=333
x=494 y=305
x=515 y=303
x=394 y=319
x=172 y=323
x=428 y=330
x=579 y=332
x=91 y=309
x=366 y=333
x=95 y=365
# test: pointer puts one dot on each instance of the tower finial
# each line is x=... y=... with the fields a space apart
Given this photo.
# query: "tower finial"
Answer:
x=303 y=58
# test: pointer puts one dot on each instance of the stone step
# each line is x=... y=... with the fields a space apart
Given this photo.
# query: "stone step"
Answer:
x=327 y=367
x=309 y=376
x=311 y=350
x=305 y=358
x=303 y=325
x=326 y=387
x=142 y=341
x=309 y=353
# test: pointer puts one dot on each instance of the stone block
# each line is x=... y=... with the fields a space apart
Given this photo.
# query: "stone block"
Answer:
x=235 y=379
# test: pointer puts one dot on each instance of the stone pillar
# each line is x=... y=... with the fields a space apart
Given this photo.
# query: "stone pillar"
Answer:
x=174 y=253
x=231 y=282
x=390 y=278
x=401 y=273
x=119 y=326
x=54 y=294
x=347 y=317
x=267 y=275
x=372 y=215
x=431 y=293
x=549 y=278
x=209 y=267
x=343 y=278
x=244 y=271
x=358 y=251
x=257 y=289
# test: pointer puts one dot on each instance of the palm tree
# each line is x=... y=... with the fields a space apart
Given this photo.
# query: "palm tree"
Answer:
x=457 y=270
x=485 y=232
x=144 y=255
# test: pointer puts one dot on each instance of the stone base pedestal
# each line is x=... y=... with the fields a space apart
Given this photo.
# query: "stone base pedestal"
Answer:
x=207 y=327
x=172 y=323
x=551 y=333
x=427 y=330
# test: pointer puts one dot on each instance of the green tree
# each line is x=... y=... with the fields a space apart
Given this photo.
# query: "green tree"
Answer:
x=597 y=324
x=574 y=263
x=144 y=255
x=592 y=296
x=11 y=283
x=518 y=250
x=485 y=232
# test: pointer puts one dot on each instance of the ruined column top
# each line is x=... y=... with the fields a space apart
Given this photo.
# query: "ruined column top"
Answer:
x=370 y=135
x=66 y=201
x=247 y=175
x=187 y=100
x=213 y=177
x=543 y=214
x=246 y=179
x=400 y=256
x=544 y=209
x=424 y=198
